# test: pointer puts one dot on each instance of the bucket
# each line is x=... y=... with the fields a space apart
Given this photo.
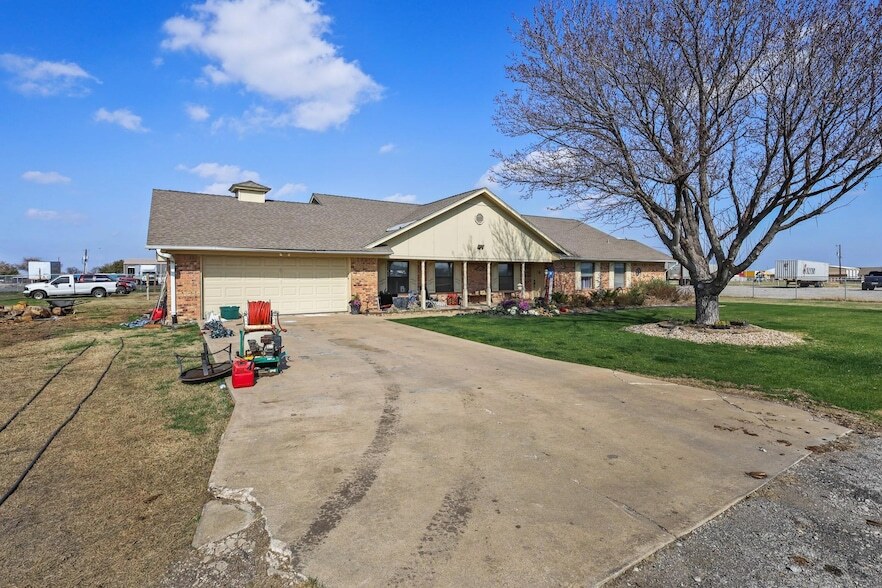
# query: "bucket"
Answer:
x=229 y=312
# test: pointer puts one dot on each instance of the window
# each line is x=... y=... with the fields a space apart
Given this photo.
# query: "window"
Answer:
x=62 y=281
x=506 y=277
x=397 y=281
x=587 y=269
x=443 y=276
x=619 y=278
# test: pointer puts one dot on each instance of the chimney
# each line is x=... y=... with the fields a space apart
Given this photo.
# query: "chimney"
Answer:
x=249 y=191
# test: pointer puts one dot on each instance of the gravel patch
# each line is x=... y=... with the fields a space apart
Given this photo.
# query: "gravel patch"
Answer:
x=748 y=336
x=816 y=525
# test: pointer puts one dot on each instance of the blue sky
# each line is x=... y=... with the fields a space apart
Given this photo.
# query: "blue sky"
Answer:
x=102 y=101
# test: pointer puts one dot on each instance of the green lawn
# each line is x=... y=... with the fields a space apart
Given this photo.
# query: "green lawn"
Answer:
x=841 y=364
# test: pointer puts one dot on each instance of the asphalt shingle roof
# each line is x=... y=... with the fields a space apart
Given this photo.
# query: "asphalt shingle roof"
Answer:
x=585 y=242
x=338 y=223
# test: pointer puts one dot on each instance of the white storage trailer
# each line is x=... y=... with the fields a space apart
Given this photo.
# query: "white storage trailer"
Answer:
x=802 y=272
x=43 y=270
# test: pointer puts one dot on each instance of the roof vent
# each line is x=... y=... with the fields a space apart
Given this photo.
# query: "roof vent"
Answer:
x=249 y=191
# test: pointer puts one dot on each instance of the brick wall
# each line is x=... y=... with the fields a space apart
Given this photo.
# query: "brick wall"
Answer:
x=606 y=277
x=564 y=277
x=188 y=287
x=477 y=281
x=648 y=271
x=365 y=281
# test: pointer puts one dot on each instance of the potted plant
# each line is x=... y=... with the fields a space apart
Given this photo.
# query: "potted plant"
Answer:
x=355 y=305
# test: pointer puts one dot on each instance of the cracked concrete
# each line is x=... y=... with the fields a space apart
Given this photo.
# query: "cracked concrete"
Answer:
x=387 y=454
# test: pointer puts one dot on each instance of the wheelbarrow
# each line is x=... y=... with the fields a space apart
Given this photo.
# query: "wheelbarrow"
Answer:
x=208 y=370
x=65 y=304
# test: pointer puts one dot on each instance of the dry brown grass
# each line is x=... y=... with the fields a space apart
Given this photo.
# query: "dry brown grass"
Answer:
x=117 y=495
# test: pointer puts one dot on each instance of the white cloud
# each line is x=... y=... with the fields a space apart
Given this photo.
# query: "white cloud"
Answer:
x=157 y=61
x=527 y=166
x=387 y=148
x=275 y=48
x=406 y=198
x=122 y=117
x=197 y=112
x=488 y=179
x=46 y=78
x=39 y=177
x=290 y=188
x=222 y=176
x=54 y=215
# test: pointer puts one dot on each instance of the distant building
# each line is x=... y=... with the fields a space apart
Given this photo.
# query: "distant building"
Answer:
x=143 y=268
x=869 y=268
x=677 y=273
x=844 y=272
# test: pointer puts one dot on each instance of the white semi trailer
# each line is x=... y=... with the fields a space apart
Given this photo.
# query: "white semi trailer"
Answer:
x=801 y=272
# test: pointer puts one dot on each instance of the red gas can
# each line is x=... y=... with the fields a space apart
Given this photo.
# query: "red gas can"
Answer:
x=243 y=373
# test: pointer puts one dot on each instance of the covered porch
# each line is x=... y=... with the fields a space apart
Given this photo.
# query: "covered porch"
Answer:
x=463 y=283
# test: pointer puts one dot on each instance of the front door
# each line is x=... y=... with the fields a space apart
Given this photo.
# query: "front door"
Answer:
x=537 y=279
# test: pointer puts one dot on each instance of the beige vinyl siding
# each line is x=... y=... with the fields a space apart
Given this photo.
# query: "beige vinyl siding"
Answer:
x=456 y=234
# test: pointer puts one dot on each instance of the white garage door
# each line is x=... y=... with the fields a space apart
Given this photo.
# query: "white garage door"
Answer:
x=292 y=285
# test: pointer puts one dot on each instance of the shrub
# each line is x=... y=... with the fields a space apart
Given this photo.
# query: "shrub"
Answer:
x=580 y=300
x=558 y=297
x=630 y=297
x=659 y=290
x=603 y=298
x=524 y=305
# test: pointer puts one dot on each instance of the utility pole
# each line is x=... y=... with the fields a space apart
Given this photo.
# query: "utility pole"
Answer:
x=844 y=281
x=85 y=259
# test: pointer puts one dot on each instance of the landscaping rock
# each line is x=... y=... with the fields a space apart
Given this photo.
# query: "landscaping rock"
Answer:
x=747 y=335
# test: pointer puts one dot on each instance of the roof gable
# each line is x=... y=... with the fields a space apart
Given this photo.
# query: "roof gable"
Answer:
x=435 y=209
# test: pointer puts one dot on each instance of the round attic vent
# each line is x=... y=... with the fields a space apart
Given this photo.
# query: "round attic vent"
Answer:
x=479 y=218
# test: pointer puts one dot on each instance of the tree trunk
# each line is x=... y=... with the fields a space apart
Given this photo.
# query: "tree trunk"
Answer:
x=707 y=304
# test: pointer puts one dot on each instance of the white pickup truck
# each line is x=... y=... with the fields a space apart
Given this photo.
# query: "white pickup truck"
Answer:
x=97 y=285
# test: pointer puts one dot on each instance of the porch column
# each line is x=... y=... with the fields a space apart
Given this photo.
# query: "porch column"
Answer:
x=465 y=284
x=489 y=282
x=423 y=284
x=523 y=279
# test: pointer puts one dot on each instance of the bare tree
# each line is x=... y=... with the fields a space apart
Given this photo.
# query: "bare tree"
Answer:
x=718 y=123
x=26 y=260
x=8 y=269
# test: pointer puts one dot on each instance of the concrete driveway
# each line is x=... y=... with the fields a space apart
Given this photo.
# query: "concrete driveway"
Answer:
x=391 y=455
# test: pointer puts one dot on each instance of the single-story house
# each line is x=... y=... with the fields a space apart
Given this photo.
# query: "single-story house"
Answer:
x=315 y=256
